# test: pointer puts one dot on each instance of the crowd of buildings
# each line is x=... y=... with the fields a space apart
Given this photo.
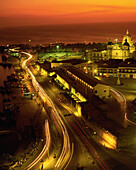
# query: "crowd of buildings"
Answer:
x=118 y=60
x=115 y=50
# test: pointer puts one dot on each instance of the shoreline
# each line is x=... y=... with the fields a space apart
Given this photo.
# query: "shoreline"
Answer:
x=26 y=145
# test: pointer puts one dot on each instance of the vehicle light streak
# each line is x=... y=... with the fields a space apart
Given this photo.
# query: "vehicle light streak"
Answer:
x=84 y=133
x=133 y=123
x=5 y=131
x=70 y=156
x=103 y=166
x=43 y=95
x=123 y=100
x=45 y=148
x=119 y=95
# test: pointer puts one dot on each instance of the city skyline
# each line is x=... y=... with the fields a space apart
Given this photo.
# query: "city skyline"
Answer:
x=24 y=13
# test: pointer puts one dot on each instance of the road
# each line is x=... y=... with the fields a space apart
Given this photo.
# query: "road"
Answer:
x=45 y=149
x=127 y=87
x=54 y=93
x=126 y=93
x=65 y=153
x=87 y=152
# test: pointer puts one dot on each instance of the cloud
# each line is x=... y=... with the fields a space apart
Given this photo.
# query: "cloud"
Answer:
x=64 y=8
x=99 y=13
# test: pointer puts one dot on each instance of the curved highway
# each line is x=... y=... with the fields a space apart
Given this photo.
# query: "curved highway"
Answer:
x=121 y=98
x=45 y=148
x=65 y=154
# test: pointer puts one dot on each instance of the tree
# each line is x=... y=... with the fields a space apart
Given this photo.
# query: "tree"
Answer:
x=4 y=58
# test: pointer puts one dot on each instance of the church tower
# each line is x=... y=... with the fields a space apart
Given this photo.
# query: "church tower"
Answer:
x=127 y=38
x=109 y=49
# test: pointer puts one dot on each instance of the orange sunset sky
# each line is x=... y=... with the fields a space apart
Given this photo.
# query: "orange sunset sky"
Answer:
x=41 y=12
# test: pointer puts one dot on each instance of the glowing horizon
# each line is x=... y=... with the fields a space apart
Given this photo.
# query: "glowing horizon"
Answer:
x=68 y=11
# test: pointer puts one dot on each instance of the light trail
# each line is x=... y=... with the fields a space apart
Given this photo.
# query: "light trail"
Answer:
x=5 y=131
x=123 y=100
x=131 y=122
x=83 y=135
x=120 y=96
x=70 y=156
x=43 y=95
x=81 y=132
x=45 y=148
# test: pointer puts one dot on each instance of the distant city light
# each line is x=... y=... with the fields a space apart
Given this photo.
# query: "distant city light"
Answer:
x=95 y=70
x=57 y=46
x=116 y=40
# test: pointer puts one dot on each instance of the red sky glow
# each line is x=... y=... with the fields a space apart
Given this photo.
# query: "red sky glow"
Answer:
x=41 y=12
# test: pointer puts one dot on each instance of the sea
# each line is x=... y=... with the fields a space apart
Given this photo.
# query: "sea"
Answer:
x=71 y=33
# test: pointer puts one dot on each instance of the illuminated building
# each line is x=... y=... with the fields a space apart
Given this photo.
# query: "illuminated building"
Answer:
x=115 y=50
x=110 y=68
x=121 y=51
x=82 y=88
x=127 y=38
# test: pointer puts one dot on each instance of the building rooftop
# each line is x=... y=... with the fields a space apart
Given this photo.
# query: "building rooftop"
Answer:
x=128 y=63
x=71 y=61
x=92 y=108
x=112 y=63
x=84 y=76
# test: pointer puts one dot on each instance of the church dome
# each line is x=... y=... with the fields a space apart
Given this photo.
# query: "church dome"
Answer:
x=126 y=43
x=127 y=39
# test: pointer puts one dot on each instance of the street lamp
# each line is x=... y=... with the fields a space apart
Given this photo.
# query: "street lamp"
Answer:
x=95 y=72
x=118 y=80
x=57 y=47
x=116 y=40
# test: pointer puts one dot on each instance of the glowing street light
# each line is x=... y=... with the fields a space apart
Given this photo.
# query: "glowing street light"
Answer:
x=118 y=79
x=57 y=47
x=95 y=70
x=116 y=40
